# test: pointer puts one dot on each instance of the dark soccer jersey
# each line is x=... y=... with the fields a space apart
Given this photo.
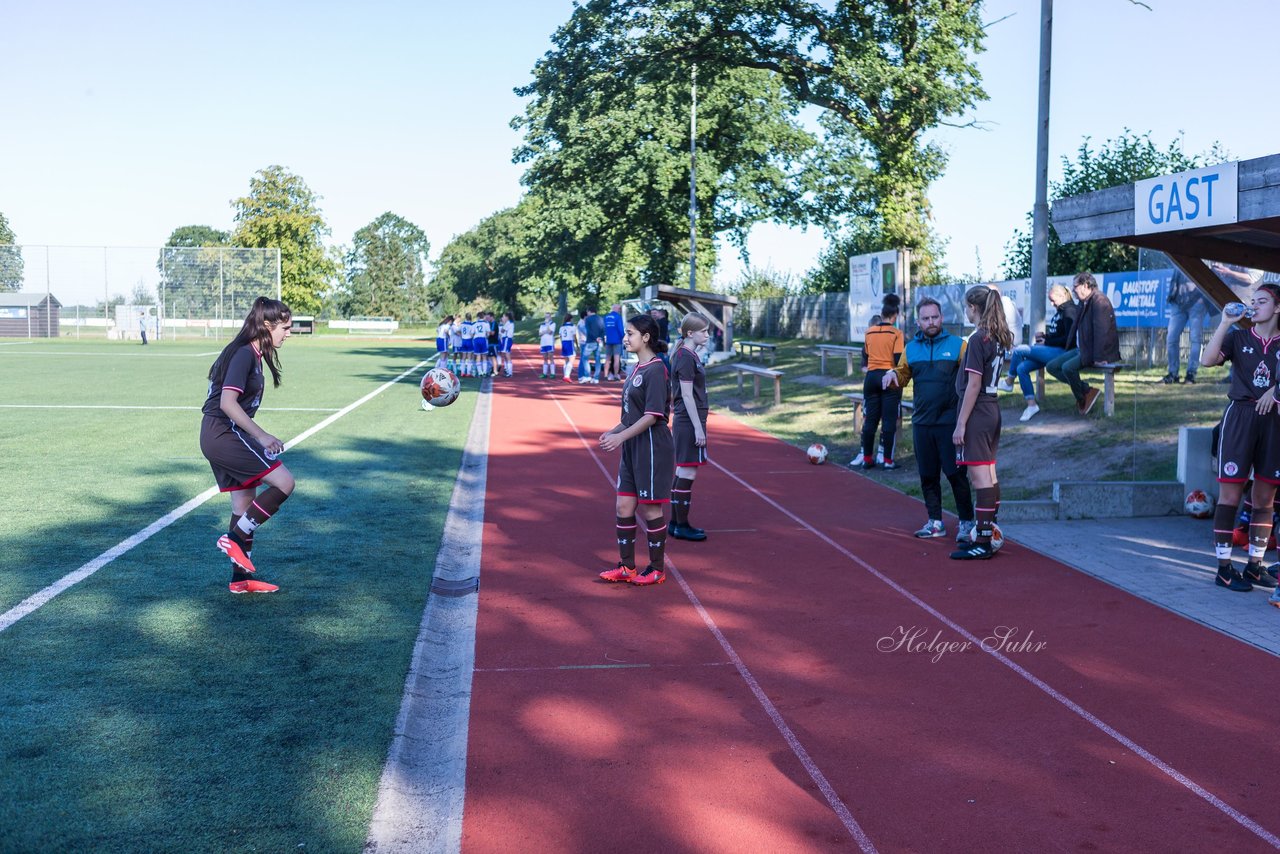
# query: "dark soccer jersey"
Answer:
x=646 y=393
x=1253 y=363
x=982 y=357
x=687 y=367
x=244 y=374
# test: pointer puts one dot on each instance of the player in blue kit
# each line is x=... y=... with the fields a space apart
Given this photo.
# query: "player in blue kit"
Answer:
x=506 y=337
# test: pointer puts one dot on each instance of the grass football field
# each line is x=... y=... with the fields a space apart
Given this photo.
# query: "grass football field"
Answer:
x=147 y=709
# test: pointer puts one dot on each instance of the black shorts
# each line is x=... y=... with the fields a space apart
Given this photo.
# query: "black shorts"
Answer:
x=981 y=435
x=687 y=451
x=237 y=460
x=1248 y=441
x=648 y=466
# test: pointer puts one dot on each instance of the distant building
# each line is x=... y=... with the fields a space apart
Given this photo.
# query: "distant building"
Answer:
x=29 y=315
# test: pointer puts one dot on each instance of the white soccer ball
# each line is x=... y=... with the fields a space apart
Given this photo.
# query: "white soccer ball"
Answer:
x=817 y=453
x=440 y=387
x=1198 y=505
x=997 y=536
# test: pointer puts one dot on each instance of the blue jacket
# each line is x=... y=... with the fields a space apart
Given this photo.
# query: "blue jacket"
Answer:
x=613 y=328
x=933 y=363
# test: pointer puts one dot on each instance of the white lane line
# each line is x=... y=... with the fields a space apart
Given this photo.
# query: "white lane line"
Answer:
x=619 y=666
x=149 y=408
x=1232 y=813
x=422 y=789
x=815 y=773
x=36 y=600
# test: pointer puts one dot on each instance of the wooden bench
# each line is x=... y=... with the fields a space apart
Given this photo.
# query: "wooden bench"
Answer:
x=904 y=407
x=1108 y=383
x=751 y=349
x=840 y=350
x=756 y=374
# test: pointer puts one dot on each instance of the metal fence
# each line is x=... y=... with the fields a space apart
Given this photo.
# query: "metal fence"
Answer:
x=194 y=290
x=821 y=317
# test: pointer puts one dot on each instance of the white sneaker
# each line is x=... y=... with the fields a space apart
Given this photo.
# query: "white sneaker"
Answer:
x=1029 y=412
x=880 y=457
x=932 y=528
x=1005 y=385
x=964 y=533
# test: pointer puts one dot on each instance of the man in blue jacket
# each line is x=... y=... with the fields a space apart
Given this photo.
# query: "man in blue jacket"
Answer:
x=613 y=332
x=932 y=358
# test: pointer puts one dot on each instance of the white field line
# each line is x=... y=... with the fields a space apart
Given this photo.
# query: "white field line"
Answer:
x=36 y=600
x=106 y=353
x=1235 y=815
x=181 y=408
x=789 y=736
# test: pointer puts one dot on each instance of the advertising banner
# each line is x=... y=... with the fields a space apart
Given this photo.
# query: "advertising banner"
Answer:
x=870 y=278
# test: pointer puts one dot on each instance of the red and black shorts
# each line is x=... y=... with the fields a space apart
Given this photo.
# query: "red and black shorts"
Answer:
x=648 y=466
x=237 y=460
x=687 y=451
x=1248 y=441
x=981 y=435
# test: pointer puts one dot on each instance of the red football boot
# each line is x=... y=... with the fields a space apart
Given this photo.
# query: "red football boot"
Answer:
x=232 y=550
x=651 y=576
x=621 y=573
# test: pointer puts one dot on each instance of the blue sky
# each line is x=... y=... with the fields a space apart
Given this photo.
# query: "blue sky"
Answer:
x=123 y=121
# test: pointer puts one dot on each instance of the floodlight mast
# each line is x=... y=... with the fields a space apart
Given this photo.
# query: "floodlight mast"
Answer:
x=693 y=185
x=1040 y=213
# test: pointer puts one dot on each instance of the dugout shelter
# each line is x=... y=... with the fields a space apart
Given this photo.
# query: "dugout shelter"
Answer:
x=718 y=308
x=1228 y=213
x=29 y=315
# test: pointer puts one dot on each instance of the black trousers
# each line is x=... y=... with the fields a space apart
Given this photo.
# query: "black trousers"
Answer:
x=879 y=409
x=936 y=456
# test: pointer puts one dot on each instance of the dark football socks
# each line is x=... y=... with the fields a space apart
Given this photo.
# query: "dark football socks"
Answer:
x=263 y=507
x=1224 y=519
x=681 y=498
x=988 y=500
x=657 y=538
x=627 y=540
x=1259 y=533
x=243 y=540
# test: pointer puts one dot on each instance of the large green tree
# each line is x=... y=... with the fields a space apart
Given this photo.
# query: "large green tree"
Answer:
x=11 y=266
x=884 y=72
x=282 y=212
x=191 y=265
x=384 y=270
x=612 y=175
x=1127 y=158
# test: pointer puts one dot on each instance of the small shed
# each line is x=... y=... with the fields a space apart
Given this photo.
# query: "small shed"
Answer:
x=718 y=308
x=29 y=315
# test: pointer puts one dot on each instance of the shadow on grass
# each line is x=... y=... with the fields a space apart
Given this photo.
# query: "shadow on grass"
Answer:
x=148 y=709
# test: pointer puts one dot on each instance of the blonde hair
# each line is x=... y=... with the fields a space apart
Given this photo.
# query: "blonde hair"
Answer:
x=1059 y=289
x=990 y=314
x=693 y=323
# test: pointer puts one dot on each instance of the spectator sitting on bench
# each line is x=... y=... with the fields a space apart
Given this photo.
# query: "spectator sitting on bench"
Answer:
x=1049 y=345
x=1097 y=341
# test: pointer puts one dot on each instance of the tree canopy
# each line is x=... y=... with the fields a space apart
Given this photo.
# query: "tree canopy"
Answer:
x=1127 y=158
x=384 y=270
x=281 y=211
x=883 y=73
x=11 y=265
x=197 y=235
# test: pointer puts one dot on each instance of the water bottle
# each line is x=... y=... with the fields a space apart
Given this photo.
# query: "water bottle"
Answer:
x=1237 y=310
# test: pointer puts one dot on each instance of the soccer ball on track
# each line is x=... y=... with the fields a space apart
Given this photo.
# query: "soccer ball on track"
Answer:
x=817 y=453
x=1198 y=505
x=440 y=387
x=997 y=536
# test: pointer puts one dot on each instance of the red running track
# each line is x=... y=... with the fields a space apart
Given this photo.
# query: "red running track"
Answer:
x=613 y=718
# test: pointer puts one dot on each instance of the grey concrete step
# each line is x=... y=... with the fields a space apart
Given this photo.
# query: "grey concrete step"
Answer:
x=1104 y=499
x=1028 y=511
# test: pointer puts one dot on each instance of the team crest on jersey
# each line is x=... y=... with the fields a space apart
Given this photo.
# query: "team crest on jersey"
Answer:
x=638 y=380
x=1230 y=469
x=1262 y=376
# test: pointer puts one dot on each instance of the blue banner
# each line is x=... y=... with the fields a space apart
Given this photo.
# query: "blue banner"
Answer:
x=1138 y=297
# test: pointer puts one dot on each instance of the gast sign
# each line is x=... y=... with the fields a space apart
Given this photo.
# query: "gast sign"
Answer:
x=1195 y=199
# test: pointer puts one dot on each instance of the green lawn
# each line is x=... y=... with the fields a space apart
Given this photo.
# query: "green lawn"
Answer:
x=148 y=709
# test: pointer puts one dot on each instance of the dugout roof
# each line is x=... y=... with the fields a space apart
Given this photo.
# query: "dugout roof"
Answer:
x=718 y=308
x=1180 y=216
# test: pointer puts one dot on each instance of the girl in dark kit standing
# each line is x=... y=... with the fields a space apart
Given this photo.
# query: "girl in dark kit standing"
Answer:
x=688 y=422
x=1249 y=438
x=977 y=433
x=648 y=455
x=242 y=455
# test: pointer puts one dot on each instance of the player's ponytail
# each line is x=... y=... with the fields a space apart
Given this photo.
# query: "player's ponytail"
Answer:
x=254 y=331
x=991 y=314
x=646 y=325
x=693 y=323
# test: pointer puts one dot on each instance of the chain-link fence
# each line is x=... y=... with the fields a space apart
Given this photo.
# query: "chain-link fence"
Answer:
x=823 y=317
x=200 y=291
